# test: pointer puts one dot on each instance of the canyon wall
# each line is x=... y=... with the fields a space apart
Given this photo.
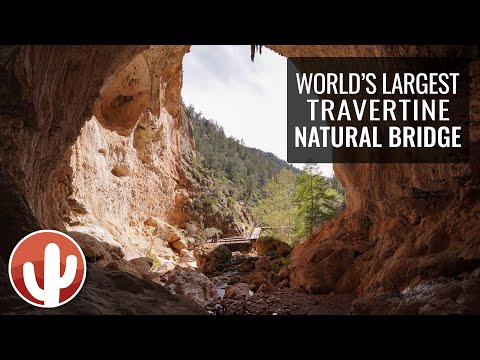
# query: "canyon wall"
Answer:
x=403 y=223
x=122 y=106
x=92 y=143
x=92 y=140
x=125 y=174
x=47 y=93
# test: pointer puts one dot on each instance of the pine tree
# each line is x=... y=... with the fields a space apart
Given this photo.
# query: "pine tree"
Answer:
x=277 y=209
x=315 y=199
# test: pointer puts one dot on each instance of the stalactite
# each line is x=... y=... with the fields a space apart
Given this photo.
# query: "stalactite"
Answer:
x=254 y=49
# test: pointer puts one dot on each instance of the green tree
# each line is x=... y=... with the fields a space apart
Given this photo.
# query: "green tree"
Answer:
x=315 y=199
x=229 y=159
x=277 y=209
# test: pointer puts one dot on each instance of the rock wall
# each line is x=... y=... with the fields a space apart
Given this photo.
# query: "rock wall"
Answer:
x=403 y=223
x=46 y=95
x=128 y=164
x=121 y=104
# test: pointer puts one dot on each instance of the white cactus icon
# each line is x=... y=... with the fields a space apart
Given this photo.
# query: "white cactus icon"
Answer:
x=52 y=281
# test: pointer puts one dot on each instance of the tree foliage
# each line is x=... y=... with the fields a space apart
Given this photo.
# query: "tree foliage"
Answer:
x=295 y=205
x=277 y=209
x=248 y=170
x=316 y=200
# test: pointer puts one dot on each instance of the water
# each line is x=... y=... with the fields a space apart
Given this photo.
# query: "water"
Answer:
x=221 y=289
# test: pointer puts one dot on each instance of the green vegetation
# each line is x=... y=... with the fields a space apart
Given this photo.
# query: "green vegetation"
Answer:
x=246 y=171
x=285 y=261
x=277 y=209
x=212 y=232
x=154 y=259
x=234 y=181
x=279 y=263
x=316 y=200
x=296 y=205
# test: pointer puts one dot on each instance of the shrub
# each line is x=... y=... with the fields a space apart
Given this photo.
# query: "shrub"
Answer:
x=230 y=202
x=212 y=232
x=285 y=261
x=154 y=259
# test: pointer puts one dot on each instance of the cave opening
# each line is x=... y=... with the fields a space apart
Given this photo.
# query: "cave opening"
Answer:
x=244 y=98
x=237 y=107
x=98 y=151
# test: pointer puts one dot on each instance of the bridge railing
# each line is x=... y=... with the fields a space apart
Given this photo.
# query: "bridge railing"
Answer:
x=254 y=235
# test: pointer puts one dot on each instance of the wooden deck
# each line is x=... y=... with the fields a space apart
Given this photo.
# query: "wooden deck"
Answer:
x=246 y=239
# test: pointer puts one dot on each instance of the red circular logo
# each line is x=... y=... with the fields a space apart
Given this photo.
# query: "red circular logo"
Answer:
x=47 y=268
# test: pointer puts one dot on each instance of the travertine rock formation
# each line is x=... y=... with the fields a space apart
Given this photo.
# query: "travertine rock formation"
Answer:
x=47 y=95
x=120 y=108
x=127 y=166
x=403 y=222
x=192 y=284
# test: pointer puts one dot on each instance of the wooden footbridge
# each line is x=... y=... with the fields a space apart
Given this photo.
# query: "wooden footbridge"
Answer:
x=241 y=239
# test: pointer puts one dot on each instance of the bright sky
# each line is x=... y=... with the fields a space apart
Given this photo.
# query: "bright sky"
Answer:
x=248 y=99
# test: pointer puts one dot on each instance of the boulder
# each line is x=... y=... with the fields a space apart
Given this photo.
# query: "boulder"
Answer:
x=439 y=296
x=98 y=248
x=246 y=267
x=264 y=288
x=169 y=233
x=283 y=284
x=164 y=230
x=209 y=256
x=284 y=273
x=283 y=251
x=273 y=278
x=179 y=244
x=375 y=304
x=255 y=280
x=263 y=264
x=239 y=289
x=138 y=267
x=142 y=263
x=192 y=284
x=269 y=244
x=328 y=272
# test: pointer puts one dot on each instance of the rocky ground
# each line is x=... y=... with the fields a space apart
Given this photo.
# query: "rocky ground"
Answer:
x=106 y=292
x=256 y=282
x=285 y=302
x=442 y=296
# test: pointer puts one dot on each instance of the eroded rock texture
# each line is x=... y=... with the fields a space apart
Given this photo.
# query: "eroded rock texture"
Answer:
x=121 y=104
x=47 y=93
x=403 y=223
x=127 y=166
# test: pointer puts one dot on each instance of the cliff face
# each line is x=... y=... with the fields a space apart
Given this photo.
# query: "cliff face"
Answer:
x=403 y=223
x=92 y=140
x=47 y=93
x=120 y=109
x=128 y=164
